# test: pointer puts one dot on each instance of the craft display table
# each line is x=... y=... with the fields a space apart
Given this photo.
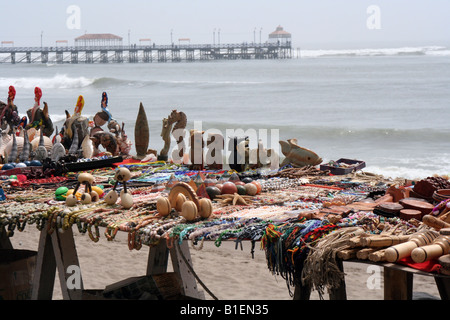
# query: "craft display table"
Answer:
x=398 y=282
x=57 y=251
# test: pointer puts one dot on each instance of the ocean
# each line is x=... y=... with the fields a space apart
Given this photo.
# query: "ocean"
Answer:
x=387 y=107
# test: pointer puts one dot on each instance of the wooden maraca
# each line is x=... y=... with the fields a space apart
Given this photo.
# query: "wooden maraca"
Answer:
x=439 y=247
x=403 y=250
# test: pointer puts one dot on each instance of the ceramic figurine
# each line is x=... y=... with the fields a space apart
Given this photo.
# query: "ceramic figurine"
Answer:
x=107 y=140
x=58 y=151
x=196 y=149
x=75 y=122
x=239 y=149
x=26 y=149
x=12 y=157
x=9 y=114
x=40 y=118
x=214 y=155
x=41 y=152
x=124 y=143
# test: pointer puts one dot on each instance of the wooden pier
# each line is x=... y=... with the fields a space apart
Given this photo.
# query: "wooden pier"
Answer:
x=144 y=54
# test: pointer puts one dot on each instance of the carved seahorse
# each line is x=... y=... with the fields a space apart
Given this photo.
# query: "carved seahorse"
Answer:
x=180 y=120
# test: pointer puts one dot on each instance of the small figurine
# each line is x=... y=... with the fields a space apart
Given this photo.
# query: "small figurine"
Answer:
x=39 y=118
x=298 y=156
x=8 y=112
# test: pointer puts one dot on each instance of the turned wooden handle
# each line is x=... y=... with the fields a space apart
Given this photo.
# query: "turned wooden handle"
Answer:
x=403 y=250
x=434 y=222
x=400 y=251
x=383 y=241
x=433 y=251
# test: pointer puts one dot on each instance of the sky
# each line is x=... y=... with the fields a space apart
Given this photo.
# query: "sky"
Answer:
x=312 y=23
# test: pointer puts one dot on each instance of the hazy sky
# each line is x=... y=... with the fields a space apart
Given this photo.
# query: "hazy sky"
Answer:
x=313 y=23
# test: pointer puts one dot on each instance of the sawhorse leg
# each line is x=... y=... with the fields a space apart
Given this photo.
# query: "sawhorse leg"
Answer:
x=5 y=243
x=398 y=284
x=158 y=260
x=443 y=285
x=57 y=251
x=303 y=292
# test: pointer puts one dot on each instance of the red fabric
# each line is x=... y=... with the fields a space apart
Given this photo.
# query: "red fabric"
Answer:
x=126 y=161
x=428 y=266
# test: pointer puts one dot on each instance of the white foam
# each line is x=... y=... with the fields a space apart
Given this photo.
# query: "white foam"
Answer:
x=427 y=50
x=59 y=81
x=404 y=172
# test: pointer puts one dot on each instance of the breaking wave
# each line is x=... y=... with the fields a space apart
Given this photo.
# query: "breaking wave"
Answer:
x=402 y=51
x=56 y=82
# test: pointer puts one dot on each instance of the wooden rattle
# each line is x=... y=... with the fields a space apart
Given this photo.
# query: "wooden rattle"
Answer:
x=183 y=199
x=403 y=250
x=88 y=196
x=439 y=247
x=122 y=176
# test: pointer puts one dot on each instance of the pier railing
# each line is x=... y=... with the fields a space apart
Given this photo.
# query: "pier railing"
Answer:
x=145 y=53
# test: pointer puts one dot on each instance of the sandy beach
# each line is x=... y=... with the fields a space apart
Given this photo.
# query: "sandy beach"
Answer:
x=229 y=273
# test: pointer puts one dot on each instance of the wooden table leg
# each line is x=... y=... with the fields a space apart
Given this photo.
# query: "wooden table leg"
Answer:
x=340 y=292
x=302 y=292
x=398 y=284
x=66 y=256
x=5 y=243
x=158 y=258
x=57 y=251
x=44 y=274
x=182 y=265
x=443 y=285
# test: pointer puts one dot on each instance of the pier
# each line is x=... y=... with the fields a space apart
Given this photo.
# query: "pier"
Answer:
x=144 y=53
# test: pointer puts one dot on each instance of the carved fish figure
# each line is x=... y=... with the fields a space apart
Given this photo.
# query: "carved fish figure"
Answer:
x=298 y=156
x=41 y=151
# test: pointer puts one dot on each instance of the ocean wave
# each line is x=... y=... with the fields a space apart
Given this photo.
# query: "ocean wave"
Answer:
x=402 y=51
x=320 y=131
x=59 y=81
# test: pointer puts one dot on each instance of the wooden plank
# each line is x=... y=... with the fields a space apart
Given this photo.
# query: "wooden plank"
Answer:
x=158 y=258
x=66 y=256
x=5 y=243
x=398 y=284
x=182 y=266
x=44 y=275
